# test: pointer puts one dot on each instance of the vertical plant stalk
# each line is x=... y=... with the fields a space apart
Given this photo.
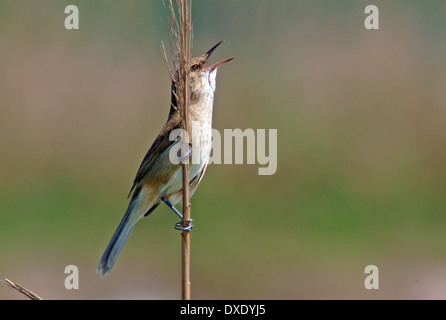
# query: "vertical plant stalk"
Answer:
x=180 y=31
x=185 y=26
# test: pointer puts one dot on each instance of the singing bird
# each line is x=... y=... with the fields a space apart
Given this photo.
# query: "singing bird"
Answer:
x=160 y=179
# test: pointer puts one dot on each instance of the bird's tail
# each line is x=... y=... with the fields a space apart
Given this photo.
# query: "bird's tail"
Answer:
x=119 y=238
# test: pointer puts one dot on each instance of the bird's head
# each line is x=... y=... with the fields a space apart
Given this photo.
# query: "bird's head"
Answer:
x=202 y=78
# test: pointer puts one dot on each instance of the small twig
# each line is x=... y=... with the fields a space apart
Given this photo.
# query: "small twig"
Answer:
x=21 y=289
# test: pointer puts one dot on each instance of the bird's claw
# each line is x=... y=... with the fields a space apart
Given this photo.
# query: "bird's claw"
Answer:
x=184 y=226
x=189 y=153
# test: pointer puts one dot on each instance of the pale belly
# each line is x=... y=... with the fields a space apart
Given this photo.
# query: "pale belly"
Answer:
x=199 y=159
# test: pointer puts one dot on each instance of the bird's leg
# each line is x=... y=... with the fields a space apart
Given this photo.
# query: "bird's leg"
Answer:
x=178 y=225
x=171 y=206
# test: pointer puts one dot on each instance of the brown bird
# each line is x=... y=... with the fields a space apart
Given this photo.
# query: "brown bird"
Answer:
x=160 y=179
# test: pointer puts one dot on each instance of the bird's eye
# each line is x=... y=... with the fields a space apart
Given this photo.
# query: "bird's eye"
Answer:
x=195 y=67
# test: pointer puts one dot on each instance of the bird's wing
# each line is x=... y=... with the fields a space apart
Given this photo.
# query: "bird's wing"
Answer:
x=161 y=144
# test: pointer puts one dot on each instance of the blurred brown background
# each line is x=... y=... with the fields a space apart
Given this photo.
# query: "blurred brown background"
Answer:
x=361 y=178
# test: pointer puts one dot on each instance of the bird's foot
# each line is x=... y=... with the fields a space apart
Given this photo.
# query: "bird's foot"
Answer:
x=184 y=225
x=186 y=156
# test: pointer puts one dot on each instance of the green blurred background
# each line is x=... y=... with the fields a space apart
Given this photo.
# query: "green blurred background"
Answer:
x=361 y=174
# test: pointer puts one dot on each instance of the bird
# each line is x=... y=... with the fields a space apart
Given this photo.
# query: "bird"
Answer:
x=159 y=179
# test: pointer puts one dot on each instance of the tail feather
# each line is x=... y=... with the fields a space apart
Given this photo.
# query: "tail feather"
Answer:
x=116 y=244
x=120 y=237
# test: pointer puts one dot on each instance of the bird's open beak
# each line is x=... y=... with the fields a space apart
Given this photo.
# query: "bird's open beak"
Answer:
x=215 y=65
